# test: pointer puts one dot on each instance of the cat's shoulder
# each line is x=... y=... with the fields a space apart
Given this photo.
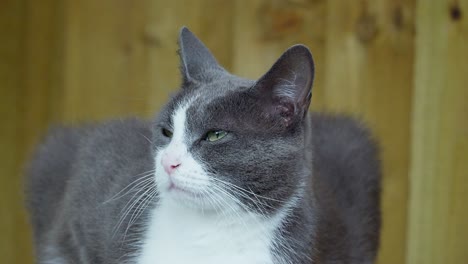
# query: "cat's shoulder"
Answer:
x=349 y=133
x=346 y=143
x=347 y=178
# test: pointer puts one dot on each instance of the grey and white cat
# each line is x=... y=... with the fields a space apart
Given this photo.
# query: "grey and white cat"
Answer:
x=230 y=171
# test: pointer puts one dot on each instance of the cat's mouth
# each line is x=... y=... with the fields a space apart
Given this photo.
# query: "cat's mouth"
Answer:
x=178 y=188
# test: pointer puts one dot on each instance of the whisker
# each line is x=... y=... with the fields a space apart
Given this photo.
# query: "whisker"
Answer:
x=241 y=192
x=147 y=139
x=251 y=192
x=146 y=175
x=145 y=199
x=240 y=204
x=128 y=206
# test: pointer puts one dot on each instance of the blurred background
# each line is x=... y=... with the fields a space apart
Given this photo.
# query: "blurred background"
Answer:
x=401 y=65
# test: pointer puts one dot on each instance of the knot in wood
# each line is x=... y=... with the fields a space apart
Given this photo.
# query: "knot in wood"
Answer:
x=279 y=22
x=366 y=28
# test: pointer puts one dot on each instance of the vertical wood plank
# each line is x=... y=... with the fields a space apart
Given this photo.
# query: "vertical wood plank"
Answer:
x=104 y=59
x=14 y=238
x=438 y=216
x=369 y=72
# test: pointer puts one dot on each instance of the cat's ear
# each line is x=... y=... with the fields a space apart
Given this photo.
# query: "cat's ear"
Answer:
x=286 y=89
x=197 y=62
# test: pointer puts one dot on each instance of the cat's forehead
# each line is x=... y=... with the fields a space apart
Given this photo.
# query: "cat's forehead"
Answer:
x=203 y=95
x=221 y=86
x=207 y=104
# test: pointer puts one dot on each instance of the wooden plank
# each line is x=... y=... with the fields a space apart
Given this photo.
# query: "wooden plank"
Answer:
x=14 y=238
x=369 y=73
x=438 y=225
x=104 y=60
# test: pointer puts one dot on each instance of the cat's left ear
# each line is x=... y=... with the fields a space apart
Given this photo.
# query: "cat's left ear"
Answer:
x=197 y=62
x=286 y=89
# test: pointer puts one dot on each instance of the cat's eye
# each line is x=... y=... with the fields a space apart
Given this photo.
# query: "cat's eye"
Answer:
x=167 y=133
x=215 y=135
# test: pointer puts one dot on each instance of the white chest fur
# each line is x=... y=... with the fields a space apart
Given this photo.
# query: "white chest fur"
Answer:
x=178 y=235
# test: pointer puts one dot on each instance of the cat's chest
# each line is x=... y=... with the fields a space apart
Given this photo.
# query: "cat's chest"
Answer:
x=175 y=236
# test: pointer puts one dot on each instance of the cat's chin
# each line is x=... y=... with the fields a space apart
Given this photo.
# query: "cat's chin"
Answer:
x=186 y=197
x=179 y=190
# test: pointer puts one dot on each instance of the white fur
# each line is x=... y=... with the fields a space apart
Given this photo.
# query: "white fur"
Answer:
x=189 y=174
x=202 y=229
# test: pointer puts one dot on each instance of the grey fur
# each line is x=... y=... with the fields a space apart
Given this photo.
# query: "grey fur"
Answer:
x=273 y=148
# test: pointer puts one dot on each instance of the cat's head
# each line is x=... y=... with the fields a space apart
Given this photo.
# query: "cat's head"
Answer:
x=224 y=142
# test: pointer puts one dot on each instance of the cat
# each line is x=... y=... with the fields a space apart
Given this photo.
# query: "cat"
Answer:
x=230 y=171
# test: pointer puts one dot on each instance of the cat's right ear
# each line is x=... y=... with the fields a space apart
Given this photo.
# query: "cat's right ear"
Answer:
x=286 y=89
x=197 y=64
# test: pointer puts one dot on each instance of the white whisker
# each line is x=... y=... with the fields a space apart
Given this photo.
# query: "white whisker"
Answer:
x=146 y=176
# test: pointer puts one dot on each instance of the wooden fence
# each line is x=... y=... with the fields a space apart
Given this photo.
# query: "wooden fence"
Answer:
x=402 y=65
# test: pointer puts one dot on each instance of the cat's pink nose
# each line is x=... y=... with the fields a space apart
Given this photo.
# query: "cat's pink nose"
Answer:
x=170 y=164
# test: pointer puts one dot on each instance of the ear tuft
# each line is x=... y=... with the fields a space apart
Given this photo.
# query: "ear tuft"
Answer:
x=287 y=85
x=197 y=62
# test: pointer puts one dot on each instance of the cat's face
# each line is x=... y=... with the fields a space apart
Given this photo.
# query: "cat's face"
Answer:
x=226 y=143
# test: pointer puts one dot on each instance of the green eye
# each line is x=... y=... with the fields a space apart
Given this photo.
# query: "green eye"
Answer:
x=215 y=135
x=167 y=133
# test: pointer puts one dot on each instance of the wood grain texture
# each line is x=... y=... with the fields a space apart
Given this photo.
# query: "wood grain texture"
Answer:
x=105 y=73
x=15 y=246
x=369 y=73
x=438 y=215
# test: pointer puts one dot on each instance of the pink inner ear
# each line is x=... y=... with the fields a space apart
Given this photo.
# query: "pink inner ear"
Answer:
x=286 y=110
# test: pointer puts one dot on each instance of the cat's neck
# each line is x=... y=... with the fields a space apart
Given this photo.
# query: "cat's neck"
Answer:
x=178 y=234
x=225 y=216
